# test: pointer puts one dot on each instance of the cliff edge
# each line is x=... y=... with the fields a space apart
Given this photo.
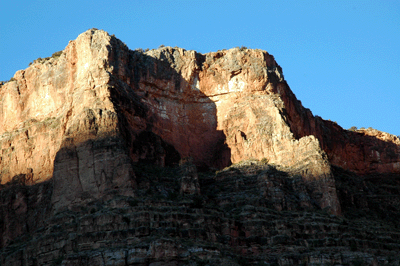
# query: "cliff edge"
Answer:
x=75 y=126
x=84 y=116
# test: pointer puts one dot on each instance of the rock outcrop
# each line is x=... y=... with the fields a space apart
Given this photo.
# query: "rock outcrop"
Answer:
x=58 y=121
x=363 y=151
x=189 y=180
x=80 y=123
x=248 y=214
x=218 y=108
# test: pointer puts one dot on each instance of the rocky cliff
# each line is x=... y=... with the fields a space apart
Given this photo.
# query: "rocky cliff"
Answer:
x=79 y=123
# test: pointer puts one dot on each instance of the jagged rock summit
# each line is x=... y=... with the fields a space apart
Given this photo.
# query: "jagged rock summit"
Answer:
x=79 y=121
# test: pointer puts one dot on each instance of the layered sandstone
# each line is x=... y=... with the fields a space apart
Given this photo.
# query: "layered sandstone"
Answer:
x=363 y=151
x=247 y=214
x=57 y=120
x=82 y=119
x=219 y=108
x=76 y=130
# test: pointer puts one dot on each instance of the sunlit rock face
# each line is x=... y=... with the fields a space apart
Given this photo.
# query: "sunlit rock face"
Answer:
x=58 y=120
x=82 y=117
x=100 y=143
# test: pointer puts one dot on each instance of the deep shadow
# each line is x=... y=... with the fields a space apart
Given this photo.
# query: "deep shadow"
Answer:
x=373 y=196
x=134 y=92
x=153 y=150
x=234 y=213
x=140 y=85
x=345 y=148
x=23 y=209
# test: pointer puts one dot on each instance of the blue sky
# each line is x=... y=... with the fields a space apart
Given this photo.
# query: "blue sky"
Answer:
x=340 y=58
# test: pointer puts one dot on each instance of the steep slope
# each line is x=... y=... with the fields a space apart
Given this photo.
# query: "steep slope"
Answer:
x=247 y=214
x=364 y=151
x=75 y=127
x=99 y=101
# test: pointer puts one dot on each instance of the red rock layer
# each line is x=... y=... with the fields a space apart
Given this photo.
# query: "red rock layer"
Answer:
x=83 y=117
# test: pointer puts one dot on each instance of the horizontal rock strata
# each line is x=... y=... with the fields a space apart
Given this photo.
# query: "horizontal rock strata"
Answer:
x=249 y=213
x=108 y=156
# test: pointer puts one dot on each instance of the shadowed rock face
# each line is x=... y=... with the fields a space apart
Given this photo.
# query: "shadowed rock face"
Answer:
x=250 y=213
x=364 y=151
x=163 y=105
x=218 y=108
x=82 y=120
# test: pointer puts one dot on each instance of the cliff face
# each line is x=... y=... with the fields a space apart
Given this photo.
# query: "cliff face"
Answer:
x=57 y=120
x=247 y=214
x=364 y=151
x=218 y=108
x=81 y=120
x=70 y=118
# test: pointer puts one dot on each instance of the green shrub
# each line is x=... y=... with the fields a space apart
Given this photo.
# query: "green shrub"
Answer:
x=57 y=54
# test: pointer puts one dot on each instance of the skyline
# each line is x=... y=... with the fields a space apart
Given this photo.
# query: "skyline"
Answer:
x=341 y=60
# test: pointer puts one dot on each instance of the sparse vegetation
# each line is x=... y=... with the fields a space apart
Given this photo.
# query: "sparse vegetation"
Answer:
x=57 y=54
x=124 y=45
x=161 y=46
x=353 y=128
x=4 y=82
x=42 y=60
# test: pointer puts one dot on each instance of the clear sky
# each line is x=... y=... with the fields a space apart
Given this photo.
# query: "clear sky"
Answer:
x=340 y=58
